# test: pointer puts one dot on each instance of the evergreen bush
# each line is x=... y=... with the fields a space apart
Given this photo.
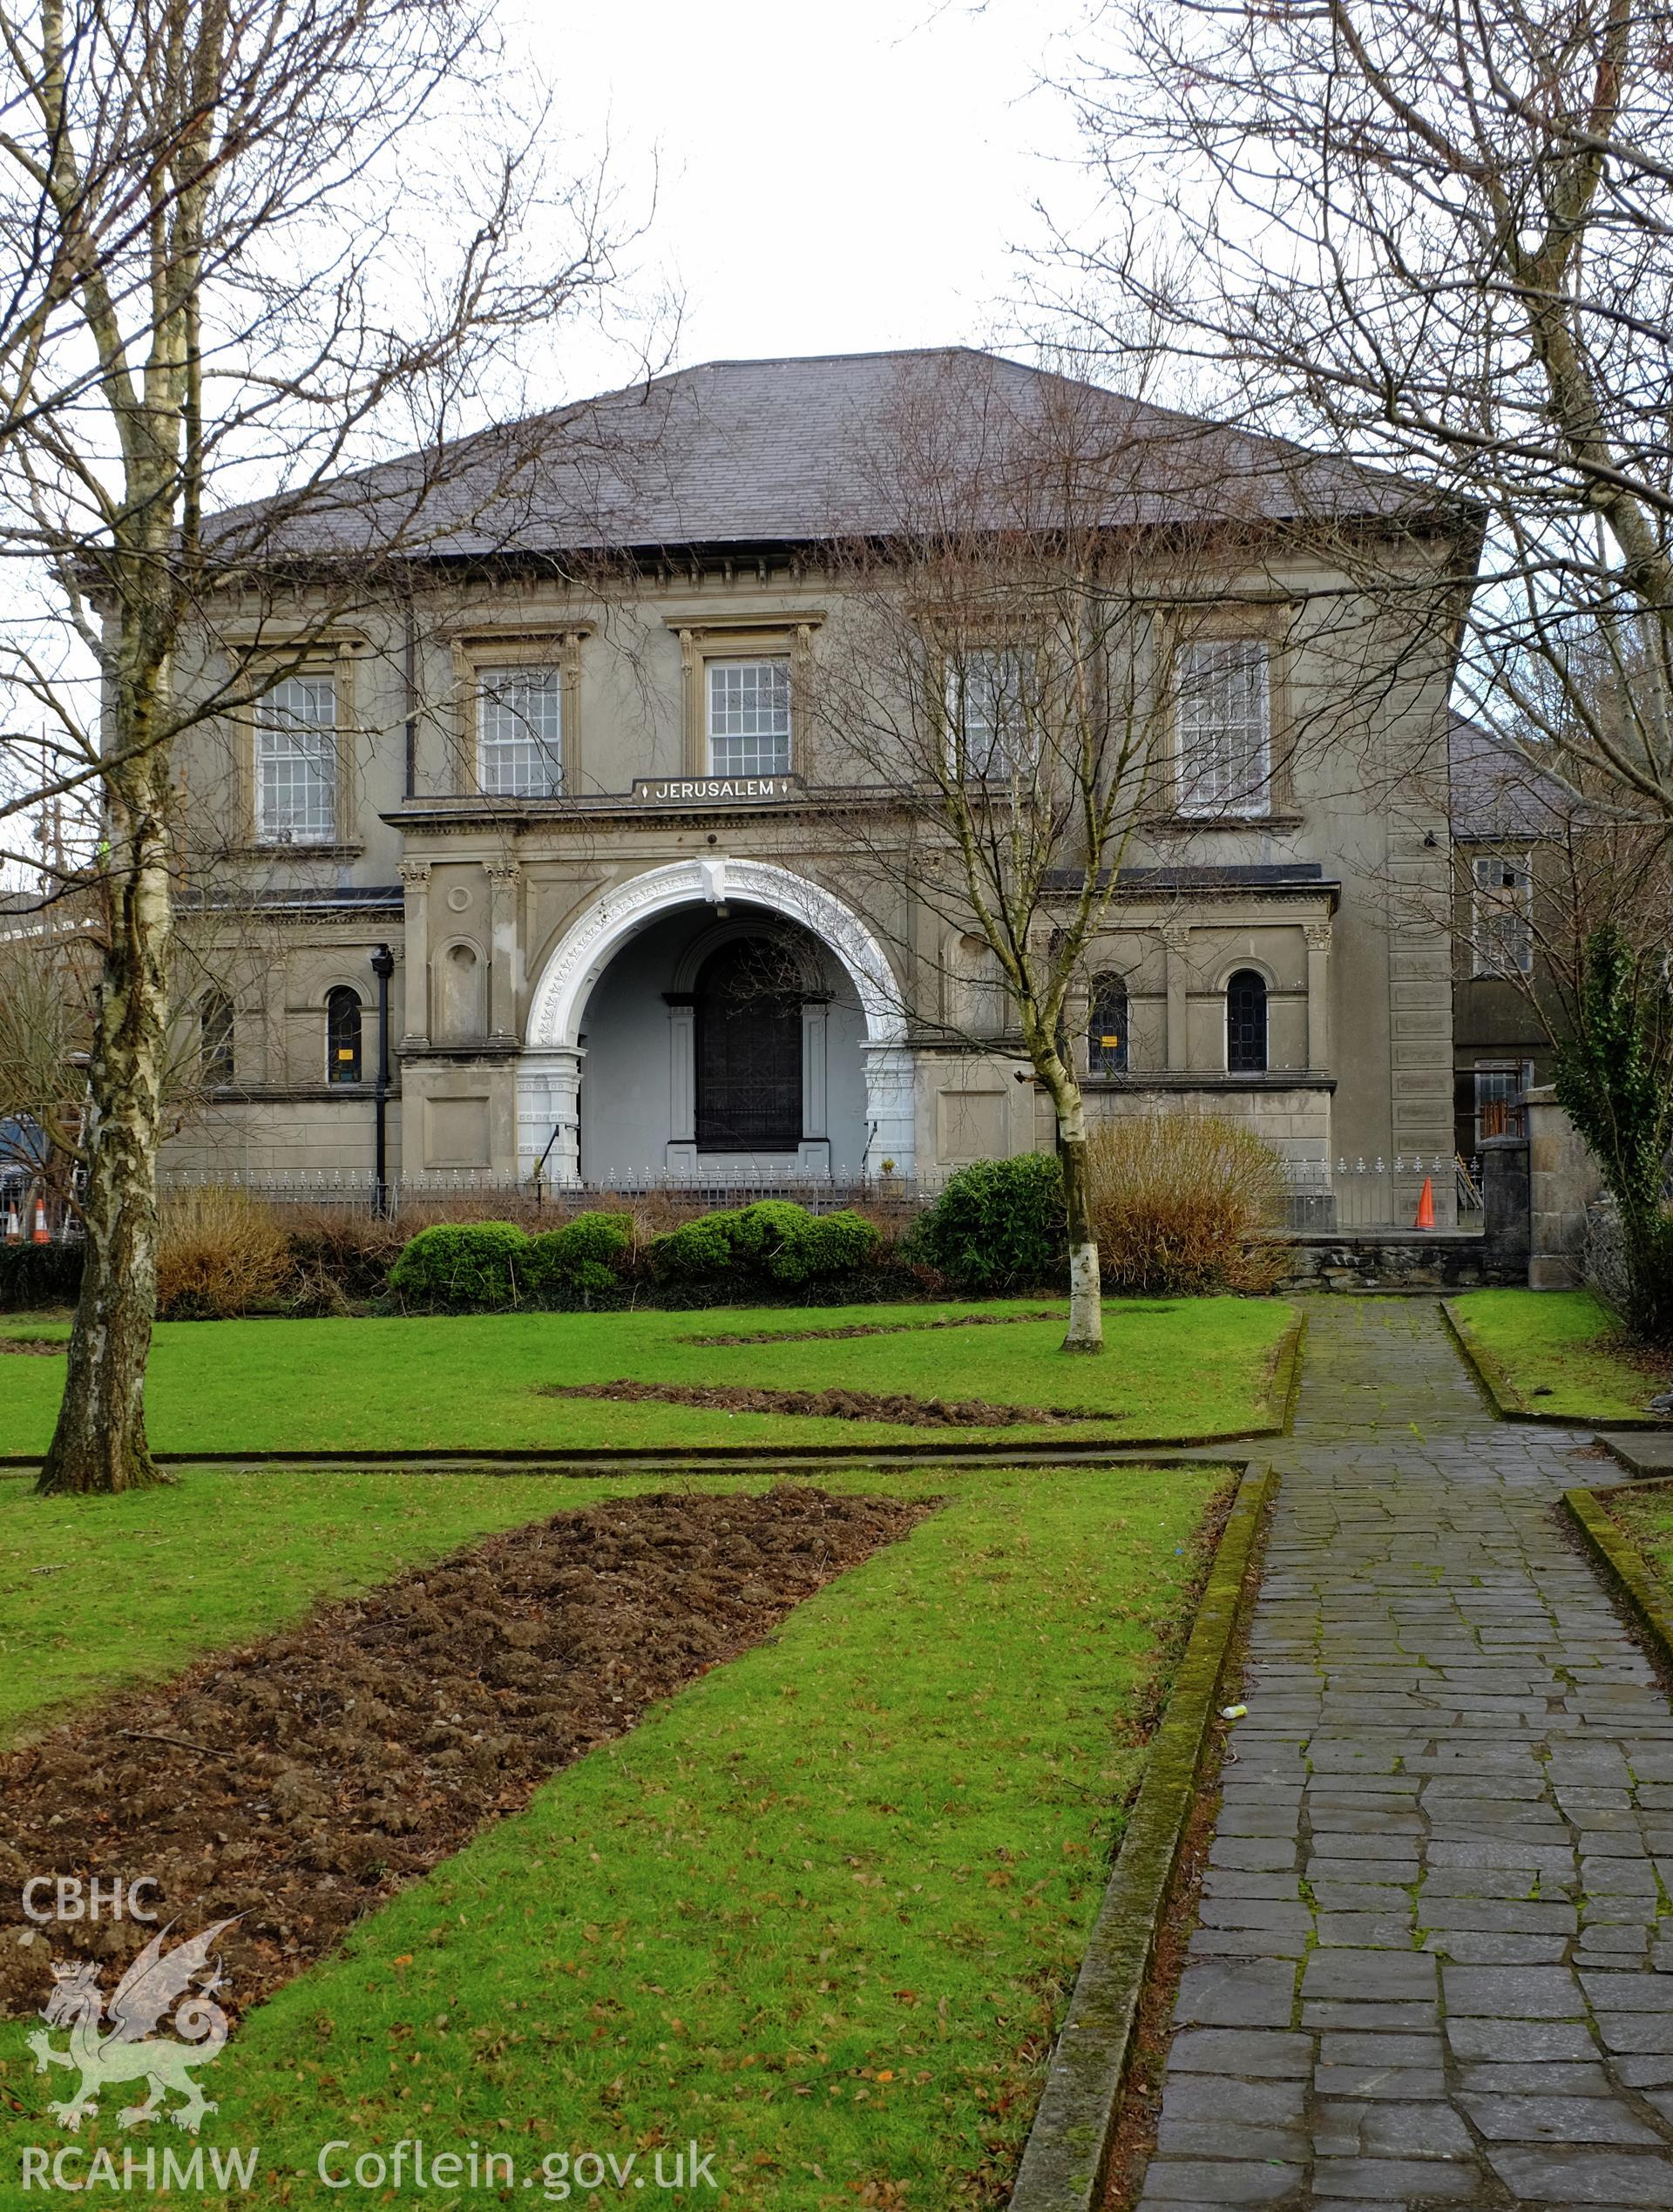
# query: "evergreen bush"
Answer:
x=587 y=1254
x=463 y=1265
x=998 y=1225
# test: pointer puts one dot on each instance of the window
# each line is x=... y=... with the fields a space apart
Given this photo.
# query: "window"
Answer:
x=1221 y=693
x=1107 y=1028
x=988 y=704
x=296 y=762
x=1246 y=1023
x=215 y=1038
x=749 y=717
x=1501 y=1087
x=520 y=731
x=1501 y=914
x=342 y=1035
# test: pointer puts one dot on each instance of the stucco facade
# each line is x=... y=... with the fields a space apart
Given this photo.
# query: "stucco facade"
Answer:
x=548 y=1004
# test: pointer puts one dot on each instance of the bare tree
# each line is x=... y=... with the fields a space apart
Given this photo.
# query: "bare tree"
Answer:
x=222 y=266
x=1435 y=236
x=1040 y=564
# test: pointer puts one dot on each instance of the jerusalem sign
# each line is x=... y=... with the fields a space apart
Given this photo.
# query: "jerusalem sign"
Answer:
x=713 y=790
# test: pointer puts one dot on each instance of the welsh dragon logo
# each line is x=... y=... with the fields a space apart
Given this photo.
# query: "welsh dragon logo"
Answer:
x=129 y=2051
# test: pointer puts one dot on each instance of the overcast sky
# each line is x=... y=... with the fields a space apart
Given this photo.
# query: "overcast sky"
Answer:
x=831 y=180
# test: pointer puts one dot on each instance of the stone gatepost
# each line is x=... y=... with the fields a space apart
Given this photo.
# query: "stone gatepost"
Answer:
x=1563 y=1181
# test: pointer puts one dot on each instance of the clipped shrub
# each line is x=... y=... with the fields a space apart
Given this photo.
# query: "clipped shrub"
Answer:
x=220 y=1254
x=996 y=1225
x=587 y=1255
x=1180 y=1204
x=694 y=1252
x=773 y=1238
x=463 y=1265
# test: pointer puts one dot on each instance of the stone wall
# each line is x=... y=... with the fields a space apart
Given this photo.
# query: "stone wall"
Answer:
x=1563 y=1181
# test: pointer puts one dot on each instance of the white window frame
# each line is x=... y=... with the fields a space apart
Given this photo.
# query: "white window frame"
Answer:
x=740 y=676
x=983 y=696
x=528 y=697
x=1501 y=914
x=1223 y=744
x=295 y=732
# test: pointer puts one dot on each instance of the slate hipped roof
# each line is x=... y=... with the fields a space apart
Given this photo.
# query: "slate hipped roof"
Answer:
x=757 y=454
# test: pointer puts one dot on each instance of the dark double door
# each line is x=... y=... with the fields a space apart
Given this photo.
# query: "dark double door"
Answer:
x=748 y=1051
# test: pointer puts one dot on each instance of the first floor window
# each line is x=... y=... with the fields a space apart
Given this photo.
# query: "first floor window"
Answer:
x=520 y=731
x=1107 y=1052
x=989 y=716
x=342 y=1035
x=296 y=762
x=749 y=717
x=1246 y=1023
x=1223 y=713
x=1501 y=914
x=215 y=1056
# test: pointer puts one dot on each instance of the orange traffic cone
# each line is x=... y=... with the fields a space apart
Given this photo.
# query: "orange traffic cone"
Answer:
x=14 y=1227
x=42 y=1235
x=1425 y=1205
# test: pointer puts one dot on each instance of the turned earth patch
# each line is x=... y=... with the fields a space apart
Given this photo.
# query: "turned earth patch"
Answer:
x=841 y=1404
x=880 y=1328
x=42 y=1345
x=298 y=1782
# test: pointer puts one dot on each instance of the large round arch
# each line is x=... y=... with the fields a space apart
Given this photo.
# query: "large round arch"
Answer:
x=548 y=1073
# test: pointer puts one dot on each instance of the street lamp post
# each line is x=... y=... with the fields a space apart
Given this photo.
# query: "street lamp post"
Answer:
x=382 y=968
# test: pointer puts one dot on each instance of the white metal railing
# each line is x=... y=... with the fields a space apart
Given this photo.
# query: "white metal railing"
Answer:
x=1381 y=1193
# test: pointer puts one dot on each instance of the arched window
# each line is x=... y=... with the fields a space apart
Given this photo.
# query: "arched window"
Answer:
x=1246 y=1023
x=342 y=1035
x=1107 y=1027
x=748 y=1051
x=215 y=1056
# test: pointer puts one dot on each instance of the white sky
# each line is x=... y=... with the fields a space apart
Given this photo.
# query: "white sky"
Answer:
x=832 y=179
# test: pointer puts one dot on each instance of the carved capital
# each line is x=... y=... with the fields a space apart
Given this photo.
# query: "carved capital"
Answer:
x=1319 y=935
x=1175 y=935
x=413 y=871
x=503 y=873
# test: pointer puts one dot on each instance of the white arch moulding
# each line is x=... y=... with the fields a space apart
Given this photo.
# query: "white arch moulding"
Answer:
x=549 y=1070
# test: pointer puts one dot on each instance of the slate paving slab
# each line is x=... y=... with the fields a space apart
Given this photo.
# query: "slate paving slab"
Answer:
x=1446 y=1843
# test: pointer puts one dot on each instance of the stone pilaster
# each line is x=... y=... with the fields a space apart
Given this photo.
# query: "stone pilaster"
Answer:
x=415 y=879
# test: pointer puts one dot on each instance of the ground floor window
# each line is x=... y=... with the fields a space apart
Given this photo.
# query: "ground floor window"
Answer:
x=1106 y=1052
x=748 y=1051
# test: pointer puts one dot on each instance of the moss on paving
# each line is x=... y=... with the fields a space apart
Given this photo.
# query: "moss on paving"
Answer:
x=1195 y=1367
x=1645 y=1518
x=819 y=1913
x=1555 y=1352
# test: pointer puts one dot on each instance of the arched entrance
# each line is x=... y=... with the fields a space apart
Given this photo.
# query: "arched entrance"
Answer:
x=642 y=1099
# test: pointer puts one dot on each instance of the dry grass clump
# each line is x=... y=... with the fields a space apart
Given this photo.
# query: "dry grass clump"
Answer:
x=1181 y=1202
x=220 y=1253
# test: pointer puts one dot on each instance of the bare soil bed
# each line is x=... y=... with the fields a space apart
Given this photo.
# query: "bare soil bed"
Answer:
x=841 y=1404
x=42 y=1346
x=300 y=1781
x=880 y=1328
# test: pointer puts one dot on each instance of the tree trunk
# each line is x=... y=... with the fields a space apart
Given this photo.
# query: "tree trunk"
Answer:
x=1086 y=1283
x=99 y=1443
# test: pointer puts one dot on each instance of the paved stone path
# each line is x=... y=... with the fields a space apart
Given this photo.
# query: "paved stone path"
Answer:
x=1435 y=1964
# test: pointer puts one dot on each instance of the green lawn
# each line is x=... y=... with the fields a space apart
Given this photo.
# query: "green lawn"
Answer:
x=1646 y=1515
x=818 y=1913
x=95 y=1593
x=1555 y=1352
x=1195 y=1367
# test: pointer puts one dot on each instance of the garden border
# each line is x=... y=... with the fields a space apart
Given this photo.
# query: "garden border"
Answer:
x=1065 y=2159
x=1623 y=1572
x=1502 y=1391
